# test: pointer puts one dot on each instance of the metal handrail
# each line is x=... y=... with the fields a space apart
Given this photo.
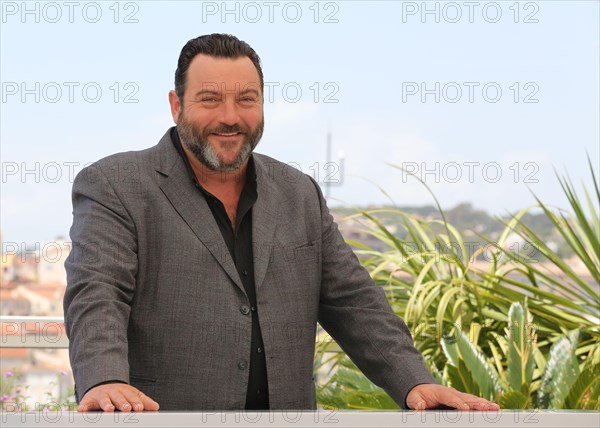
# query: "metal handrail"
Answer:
x=32 y=332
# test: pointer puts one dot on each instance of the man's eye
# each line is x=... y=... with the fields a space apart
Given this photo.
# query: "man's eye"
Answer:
x=248 y=99
x=209 y=100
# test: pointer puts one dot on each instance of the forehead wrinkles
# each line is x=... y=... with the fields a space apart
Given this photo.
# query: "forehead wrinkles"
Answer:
x=229 y=87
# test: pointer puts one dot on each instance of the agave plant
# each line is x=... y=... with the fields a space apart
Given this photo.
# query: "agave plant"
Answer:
x=564 y=382
x=527 y=382
x=466 y=321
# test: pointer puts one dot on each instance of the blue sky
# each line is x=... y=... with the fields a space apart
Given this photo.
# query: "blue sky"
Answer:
x=361 y=70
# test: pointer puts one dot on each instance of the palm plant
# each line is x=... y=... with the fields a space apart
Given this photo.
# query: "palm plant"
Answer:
x=562 y=382
x=466 y=320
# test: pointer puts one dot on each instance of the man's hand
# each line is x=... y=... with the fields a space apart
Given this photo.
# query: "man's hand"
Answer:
x=116 y=396
x=428 y=396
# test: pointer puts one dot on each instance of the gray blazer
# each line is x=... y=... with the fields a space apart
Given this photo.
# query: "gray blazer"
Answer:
x=154 y=299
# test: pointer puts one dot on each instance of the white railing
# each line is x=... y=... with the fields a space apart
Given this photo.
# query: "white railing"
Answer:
x=297 y=418
x=33 y=332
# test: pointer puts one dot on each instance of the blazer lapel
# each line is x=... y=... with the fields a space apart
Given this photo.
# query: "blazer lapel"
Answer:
x=264 y=220
x=192 y=207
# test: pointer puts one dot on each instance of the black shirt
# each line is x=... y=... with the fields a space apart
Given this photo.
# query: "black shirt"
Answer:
x=239 y=244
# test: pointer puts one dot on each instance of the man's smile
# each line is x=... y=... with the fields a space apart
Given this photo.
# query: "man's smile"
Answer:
x=227 y=136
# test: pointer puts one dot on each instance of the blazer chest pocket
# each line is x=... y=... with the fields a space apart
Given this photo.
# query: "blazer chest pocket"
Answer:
x=301 y=266
x=301 y=254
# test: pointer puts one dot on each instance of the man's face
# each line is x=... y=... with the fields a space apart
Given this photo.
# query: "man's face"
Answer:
x=221 y=117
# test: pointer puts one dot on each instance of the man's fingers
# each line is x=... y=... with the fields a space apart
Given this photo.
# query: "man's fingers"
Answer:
x=140 y=401
x=148 y=403
x=119 y=396
x=428 y=396
x=121 y=402
x=106 y=403
x=134 y=402
x=100 y=402
x=478 y=403
x=88 y=405
x=449 y=397
x=464 y=401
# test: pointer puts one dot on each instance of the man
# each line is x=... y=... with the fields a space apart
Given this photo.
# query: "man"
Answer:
x=199 y=269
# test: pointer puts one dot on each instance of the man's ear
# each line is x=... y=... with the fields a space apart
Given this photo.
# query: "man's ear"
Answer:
x=175 y=105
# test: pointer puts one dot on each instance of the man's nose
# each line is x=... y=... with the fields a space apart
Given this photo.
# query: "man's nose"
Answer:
x=229 y=113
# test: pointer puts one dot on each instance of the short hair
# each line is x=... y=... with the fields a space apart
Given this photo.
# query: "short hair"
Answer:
x=215 y=45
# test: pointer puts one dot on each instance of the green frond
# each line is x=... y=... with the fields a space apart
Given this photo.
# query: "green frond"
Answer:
x=459 y=347
x=562 y=369
x=514 y=400
x=521 y=344
x=581 y=389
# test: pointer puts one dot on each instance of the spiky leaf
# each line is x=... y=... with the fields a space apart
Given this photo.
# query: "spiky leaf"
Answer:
x=582 y=387
x=514 y=400
x=460 y=347
x=461 y=378
x=561 y=372
x=521 y=343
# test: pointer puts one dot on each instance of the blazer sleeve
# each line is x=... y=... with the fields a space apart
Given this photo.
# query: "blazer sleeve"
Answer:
x=356 y=313
x=101 y=277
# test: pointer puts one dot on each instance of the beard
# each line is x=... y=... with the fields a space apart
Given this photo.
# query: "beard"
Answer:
x=196 y=140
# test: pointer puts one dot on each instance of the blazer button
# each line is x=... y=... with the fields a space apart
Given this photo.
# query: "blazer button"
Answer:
x=242 y=365
x=244 y=309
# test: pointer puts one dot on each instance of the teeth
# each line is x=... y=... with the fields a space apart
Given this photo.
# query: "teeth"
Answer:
x=228 y=135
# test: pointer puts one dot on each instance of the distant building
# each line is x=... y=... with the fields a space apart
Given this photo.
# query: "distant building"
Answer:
x=44 y=299
x=7 y=269
x=25 y=267
x=12 y=303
